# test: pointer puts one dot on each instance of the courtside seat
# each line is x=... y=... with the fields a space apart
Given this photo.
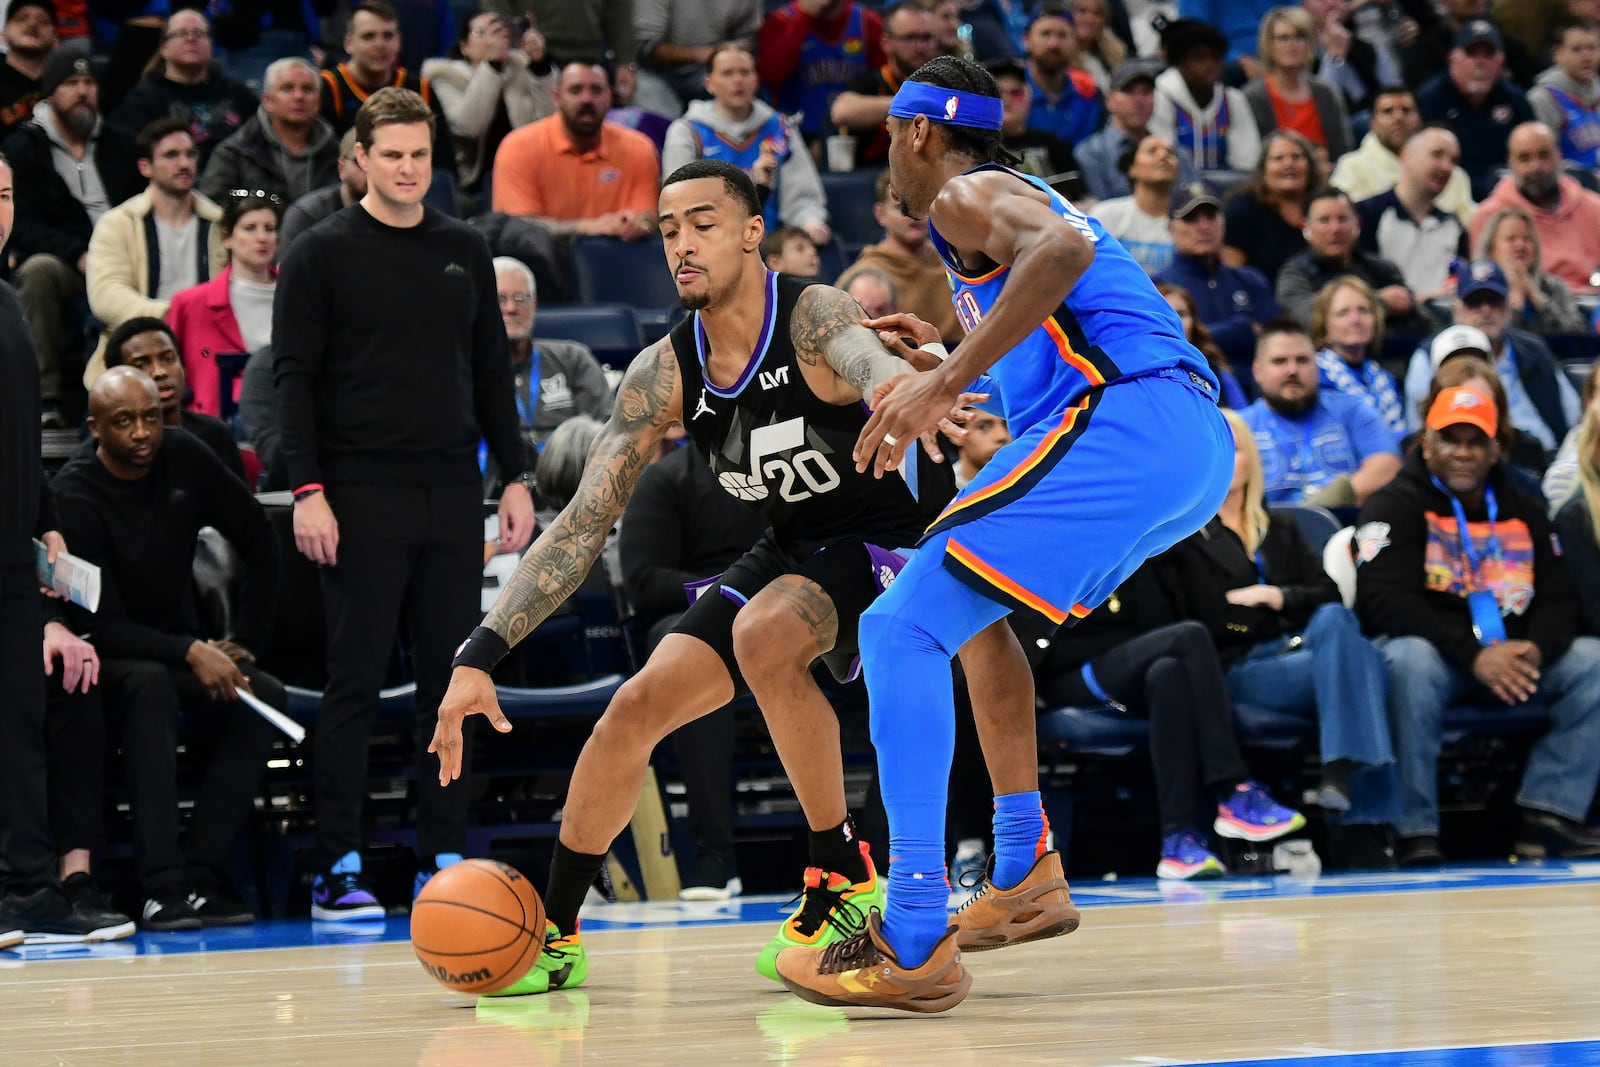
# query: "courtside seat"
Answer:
x=610 y=330
x=1463 y=720
x=1093 y=731
x=397 y=702
x=609 y=271
x=851 y=196
x=583 y=698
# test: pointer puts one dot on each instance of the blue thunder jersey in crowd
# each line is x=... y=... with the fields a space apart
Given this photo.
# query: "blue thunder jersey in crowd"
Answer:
x=1113 y=308
x=774 y=444
x=713 y=145
x=824 y=71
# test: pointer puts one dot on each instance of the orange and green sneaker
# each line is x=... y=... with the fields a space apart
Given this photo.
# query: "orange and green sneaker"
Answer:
x=562 y=964
x=831 y=909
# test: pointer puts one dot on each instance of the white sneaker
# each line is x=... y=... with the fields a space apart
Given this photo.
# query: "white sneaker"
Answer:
x=11 y=938
x=712 y=892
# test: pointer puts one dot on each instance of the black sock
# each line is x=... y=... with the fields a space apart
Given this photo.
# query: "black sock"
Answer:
x=1337 y=774
x=838 y=849
x=571 y=875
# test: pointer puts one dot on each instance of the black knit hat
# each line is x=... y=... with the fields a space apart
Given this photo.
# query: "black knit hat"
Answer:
x=59 y=66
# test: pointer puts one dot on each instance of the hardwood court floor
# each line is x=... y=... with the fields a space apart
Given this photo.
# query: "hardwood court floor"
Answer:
x=1181 y=982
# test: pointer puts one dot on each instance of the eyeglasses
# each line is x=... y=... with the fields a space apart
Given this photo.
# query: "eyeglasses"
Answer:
x=189 y=35
x=255 y=194
x=519 y=299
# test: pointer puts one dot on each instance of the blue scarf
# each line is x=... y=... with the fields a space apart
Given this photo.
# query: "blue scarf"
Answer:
x=1369 y=381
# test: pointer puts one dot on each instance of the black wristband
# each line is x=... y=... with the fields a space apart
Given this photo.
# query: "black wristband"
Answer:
x=483 y=649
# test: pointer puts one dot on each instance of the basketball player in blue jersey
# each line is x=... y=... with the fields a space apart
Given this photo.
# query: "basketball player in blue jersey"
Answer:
x=1119 y=451
x=768 y=377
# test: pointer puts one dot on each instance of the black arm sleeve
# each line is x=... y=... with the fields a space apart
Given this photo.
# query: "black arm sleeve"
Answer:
x=300 y=326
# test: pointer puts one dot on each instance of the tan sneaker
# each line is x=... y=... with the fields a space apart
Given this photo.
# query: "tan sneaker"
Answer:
x=861 y=971
x=1037 y=907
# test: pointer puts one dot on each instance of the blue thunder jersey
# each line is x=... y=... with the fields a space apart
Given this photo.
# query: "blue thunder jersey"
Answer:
x=713 y=145
x=1580 y=137
x=1113 y=324
x=824 y=71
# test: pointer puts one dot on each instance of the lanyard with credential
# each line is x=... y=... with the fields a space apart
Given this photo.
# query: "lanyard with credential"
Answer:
x=527 y=405
x=1487 y=623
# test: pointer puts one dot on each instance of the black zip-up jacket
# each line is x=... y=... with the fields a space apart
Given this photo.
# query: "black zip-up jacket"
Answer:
x=49 y=218
x=1198 y=571
x=1409 y=576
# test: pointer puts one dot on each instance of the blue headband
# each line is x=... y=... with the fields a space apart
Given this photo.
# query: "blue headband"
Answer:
x=949 y=106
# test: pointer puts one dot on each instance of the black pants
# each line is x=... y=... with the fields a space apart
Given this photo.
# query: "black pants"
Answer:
x=1172 y=676
x=27 y=855
x=75 y=746
x=232 y=741
x=410 y=563
x=704 y=751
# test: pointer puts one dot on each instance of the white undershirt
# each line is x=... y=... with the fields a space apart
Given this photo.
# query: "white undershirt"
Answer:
x=179 y=261
x=252 y=310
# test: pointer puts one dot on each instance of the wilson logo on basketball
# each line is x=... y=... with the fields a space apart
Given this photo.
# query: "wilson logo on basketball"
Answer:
x=482 y=974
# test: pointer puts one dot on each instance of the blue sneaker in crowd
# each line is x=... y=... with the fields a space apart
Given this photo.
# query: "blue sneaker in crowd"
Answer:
x=971 y=863
x=340 y=894
x=1184 y=857
x=440 y=862
x=1250 y=814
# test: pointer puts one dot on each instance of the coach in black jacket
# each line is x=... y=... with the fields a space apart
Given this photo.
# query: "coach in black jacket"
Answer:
x=1485 y=618
x=53 y=220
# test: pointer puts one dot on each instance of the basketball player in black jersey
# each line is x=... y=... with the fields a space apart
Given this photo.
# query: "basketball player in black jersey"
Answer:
x=768 y=377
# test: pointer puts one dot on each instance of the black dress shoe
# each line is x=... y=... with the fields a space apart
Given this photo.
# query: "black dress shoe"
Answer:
x=1544 y=835
x=1419 y=852
x=48 y=917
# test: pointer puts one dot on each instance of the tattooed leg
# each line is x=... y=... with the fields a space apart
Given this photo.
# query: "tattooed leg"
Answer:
x=776 y=637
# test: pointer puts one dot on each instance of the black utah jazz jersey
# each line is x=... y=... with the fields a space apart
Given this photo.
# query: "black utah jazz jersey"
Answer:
x=774 y=444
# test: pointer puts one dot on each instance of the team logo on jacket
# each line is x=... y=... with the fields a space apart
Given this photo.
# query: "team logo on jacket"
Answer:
x=1371 y=538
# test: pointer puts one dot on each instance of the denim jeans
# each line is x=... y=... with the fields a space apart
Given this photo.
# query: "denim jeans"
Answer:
x=1564 y=765
x=1338 y=675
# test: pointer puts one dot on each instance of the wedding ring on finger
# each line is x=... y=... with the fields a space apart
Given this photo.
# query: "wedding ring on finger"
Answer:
x=890 y=439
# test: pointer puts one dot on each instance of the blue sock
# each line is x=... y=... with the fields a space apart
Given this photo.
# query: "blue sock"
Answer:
x=349 y=863
x=907 y=639
x=1019 y=836
x=917 y=914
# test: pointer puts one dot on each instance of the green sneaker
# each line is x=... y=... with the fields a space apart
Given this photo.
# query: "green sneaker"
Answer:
x=562 y=964
x=831 y=909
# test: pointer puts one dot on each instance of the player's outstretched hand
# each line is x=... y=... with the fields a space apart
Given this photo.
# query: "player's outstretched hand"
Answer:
x=904 y=334
x=904 y=408
x=471 y=692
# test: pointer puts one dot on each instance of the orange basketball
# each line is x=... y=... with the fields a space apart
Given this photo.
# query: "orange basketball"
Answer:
x=477 y=926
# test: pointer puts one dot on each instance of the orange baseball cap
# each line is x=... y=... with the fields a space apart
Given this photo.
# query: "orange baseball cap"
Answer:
x=1464 y=404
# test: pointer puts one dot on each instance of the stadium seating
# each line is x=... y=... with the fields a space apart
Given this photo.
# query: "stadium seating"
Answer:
x=609 y=271
x=610 y=330
x=851 y=196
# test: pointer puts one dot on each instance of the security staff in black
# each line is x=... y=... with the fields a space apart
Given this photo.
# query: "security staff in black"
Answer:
x=769 y=376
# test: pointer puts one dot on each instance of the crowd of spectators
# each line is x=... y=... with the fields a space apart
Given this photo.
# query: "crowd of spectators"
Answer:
x=1381 y=226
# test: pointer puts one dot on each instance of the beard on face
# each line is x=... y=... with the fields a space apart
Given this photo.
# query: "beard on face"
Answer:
x=1285 y=406
x=80 y=118
x=1538 y=186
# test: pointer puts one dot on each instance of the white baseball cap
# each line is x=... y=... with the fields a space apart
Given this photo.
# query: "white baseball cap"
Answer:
x=1455 y=339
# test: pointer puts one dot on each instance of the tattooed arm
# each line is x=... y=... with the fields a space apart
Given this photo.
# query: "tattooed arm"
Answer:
x=555 y=564
x=827 y=332
x=648 y=401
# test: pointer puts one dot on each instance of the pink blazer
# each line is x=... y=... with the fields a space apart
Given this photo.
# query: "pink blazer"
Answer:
x=203 y=321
